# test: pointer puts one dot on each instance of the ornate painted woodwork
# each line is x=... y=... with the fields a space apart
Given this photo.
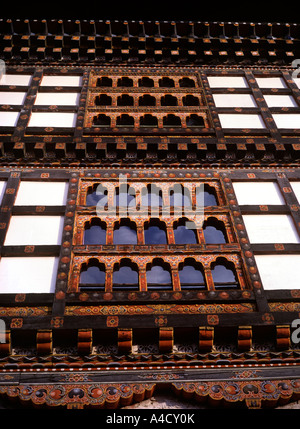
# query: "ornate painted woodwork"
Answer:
x=151 y=115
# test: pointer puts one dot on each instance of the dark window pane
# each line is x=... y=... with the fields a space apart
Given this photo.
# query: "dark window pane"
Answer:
x=213 y=235
x=95 y=235
x=125 y=235
x=191 y=277
x=223 y=277
x=183 y=235
x=209 y=197
x=157 y=275
x=125 y=276
x=96 y=197
x=155 y=235
x=93 y=275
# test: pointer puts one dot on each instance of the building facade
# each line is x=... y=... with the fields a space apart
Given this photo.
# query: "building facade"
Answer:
x=150 y=212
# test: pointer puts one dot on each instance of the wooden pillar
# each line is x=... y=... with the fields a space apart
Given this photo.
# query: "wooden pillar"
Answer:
x=193 y=197
x=75 y=278
x=165 y=199
x=229 y=233
x=79 y=236
x=219 y=196
x=110 y=233
x=240 y=278
x=175 y=279
x=140 y=234
x=170 y=234
x=209 y=278
x=110 y=198
x=109 y=279
x=200 y=236
x=138 y=198
x=143 y=279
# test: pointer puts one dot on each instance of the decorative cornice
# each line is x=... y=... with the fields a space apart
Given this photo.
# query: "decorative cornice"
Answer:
x=193 y=42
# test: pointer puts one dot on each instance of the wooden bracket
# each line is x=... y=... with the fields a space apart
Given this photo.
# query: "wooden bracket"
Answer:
x=283 y=335
x=84 y=341
x=44 y=343
x=166 y=339
x=245 y=338
x=206 y=338
x=125 y=340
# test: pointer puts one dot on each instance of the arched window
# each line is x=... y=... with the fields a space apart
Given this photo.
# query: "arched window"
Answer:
x=125 y=100
x=224 y=274
x=190 y=100
x=92 y=276
x=152 y=196
x=125 y=232
x=124 y=196
x=125 y=275
x=103 y=100
x=168 y=100
x=104 y=81
x=179 y=196
x=124 y=81
x=214 y=231
x=97 y=195
x=155 y=232
x=147 y=100
x=194 y=121
x=158 y=275
x=125 y=121
x=191 y=275
x=166 y=82
x=101 y=121
x=148 y=121
x=184 y=235
x=146 y=82
x=186 y=82
x=95 y=232
x=171 y=121
x=210 y=198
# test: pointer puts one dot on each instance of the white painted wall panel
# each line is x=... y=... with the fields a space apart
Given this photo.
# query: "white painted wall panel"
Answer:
x=234 y=100
x=16 y=79
x=296 y=188
x=297 y=81
x=34 y=230
x=258 y=193
x=279 y=271
x=42 y=194
x=12 y=98
x=291 y=120
x=61 y=81
x=271 y=229
x=241 y=121
x=28 y=275
x=52 y=119
x=270 y=82
x=227 y=82
x=280 y=101
x=57 y=99
x=8 y=119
